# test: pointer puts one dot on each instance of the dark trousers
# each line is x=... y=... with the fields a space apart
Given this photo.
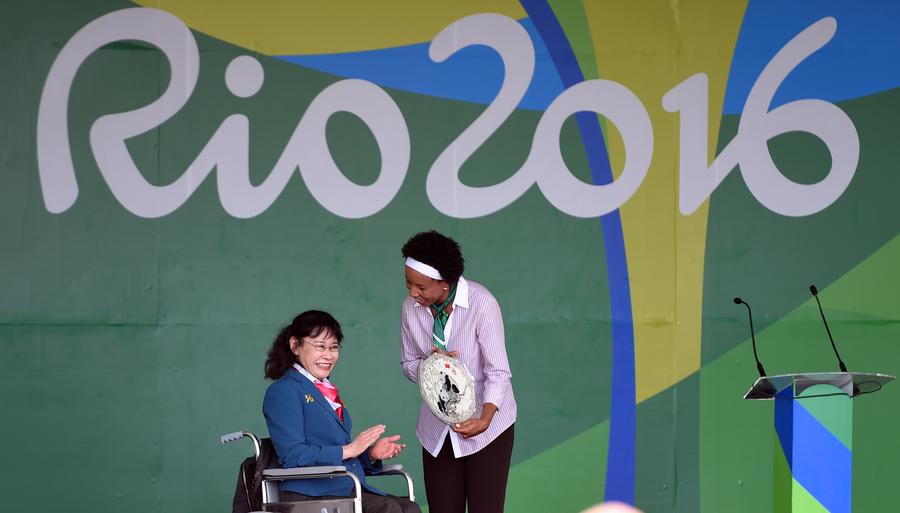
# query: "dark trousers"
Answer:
x=479 y=479
x=371 y=502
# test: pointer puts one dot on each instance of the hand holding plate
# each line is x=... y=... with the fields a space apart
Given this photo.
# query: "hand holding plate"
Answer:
x=450 y=354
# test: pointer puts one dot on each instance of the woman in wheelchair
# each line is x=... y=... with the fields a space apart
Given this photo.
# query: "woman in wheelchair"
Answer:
x=309 y=423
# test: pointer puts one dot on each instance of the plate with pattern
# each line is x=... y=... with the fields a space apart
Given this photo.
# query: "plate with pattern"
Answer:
x=447 y=388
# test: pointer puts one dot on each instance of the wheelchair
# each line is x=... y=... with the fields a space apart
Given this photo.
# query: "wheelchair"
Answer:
x=260 y=475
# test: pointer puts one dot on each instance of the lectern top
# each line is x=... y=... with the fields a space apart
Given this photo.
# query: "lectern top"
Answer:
x=850 y=383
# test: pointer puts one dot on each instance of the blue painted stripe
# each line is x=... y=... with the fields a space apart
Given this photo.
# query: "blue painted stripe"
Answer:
x=473 y=74
x=860 y=59
x=821 y=462
x=620 y=465
x=784 y=423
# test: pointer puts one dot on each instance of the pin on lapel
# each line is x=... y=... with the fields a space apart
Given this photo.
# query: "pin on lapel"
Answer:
x=309 y=398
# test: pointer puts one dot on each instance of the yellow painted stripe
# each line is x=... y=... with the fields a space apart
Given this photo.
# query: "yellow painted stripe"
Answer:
x=292 y=27
x=650 y=47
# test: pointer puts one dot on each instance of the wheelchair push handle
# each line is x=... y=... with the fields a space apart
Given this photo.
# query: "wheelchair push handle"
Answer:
x=237 y=435
x=231 y=437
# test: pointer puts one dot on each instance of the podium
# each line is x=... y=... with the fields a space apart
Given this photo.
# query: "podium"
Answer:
x=813 y=459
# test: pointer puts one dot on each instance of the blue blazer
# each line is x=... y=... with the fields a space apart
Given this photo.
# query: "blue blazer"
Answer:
x=307 y=432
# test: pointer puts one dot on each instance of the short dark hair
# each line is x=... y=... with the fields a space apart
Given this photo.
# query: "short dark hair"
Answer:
x=438 y=251
x=308 y=324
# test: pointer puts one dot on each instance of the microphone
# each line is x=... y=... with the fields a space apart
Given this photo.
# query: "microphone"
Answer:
x=815 y=293
x=765 y=390
x=759 y=365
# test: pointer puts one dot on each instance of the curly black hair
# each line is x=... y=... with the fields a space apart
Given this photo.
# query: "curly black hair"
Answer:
x=308 y=324
x=438 y=251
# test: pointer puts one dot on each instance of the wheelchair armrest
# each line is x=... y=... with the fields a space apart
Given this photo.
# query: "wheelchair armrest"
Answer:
x=281 y=474
x=392 y=469
x=397 y=470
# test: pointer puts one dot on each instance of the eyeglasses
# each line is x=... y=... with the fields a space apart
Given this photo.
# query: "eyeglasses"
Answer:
x=321 y=348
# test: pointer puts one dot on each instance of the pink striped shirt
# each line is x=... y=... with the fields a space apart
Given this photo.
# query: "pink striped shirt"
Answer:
x=475 y=332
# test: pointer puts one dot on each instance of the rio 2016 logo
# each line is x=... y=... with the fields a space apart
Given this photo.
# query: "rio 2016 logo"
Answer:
x=227 y=151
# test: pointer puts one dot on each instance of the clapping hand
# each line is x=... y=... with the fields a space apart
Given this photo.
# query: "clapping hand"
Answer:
x=386 y=448
x=363 y=441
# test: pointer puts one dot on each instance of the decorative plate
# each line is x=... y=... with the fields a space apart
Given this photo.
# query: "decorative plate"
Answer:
x=447 y=388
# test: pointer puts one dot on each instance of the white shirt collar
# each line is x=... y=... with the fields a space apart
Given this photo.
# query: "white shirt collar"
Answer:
x=309 y=376
x=462 y=294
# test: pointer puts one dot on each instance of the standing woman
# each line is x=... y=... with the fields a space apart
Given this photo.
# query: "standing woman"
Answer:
x=468 y=462
x=309 y=423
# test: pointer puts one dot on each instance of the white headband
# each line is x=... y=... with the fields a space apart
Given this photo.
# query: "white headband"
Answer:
x=425 y=269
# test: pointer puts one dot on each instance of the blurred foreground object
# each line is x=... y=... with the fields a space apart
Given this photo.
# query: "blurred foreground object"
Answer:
x=612 y=507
